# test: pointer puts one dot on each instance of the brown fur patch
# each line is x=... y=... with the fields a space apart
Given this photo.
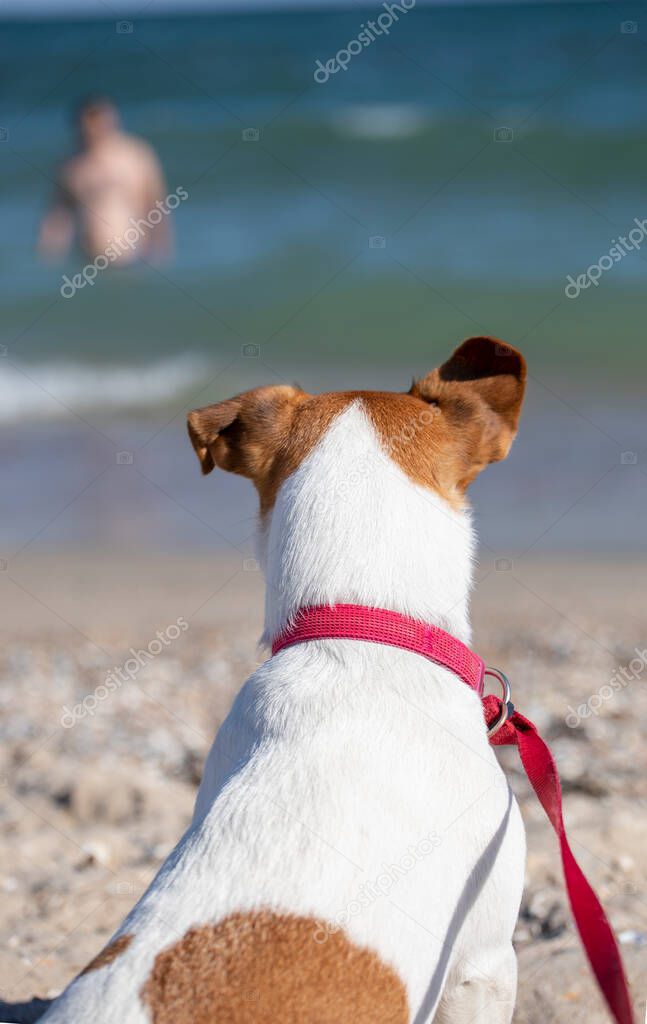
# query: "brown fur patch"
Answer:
x=479 y=392
x=415 y=436
x=267 y=433
x=108 y=954
x=442 y=433
x=266 y=968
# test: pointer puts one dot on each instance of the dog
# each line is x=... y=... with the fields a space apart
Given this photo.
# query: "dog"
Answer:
x=355 y=855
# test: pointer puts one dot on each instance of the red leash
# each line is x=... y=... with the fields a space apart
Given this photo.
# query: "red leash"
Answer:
x=506 y=726
x=595 y=931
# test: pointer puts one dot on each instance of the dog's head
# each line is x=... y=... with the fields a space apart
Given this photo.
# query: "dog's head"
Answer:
x=441 y=433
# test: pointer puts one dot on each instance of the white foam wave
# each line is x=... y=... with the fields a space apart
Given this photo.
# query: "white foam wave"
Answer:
x=52 y=390
x=380 y=121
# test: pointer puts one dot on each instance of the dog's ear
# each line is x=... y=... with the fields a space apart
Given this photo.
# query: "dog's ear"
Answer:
x=479 y=391
x=205 y=427
x=242 y=434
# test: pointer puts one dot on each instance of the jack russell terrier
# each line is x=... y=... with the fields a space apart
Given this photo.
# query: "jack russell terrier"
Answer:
x=355 y=854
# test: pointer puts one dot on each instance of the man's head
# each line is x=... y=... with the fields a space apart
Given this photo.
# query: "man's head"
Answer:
x=96 y=118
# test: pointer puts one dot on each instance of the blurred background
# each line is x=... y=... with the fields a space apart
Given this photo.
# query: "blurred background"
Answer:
x=344 y=233
x=456 y=178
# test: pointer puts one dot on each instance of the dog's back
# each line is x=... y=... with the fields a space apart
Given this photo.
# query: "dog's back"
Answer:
x=351 y=840
x=355 y=853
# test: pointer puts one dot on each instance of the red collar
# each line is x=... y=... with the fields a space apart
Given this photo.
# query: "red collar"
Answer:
x=379 y=626
x=506 y=726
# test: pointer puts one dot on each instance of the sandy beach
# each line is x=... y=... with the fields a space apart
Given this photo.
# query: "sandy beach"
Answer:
x=476 y=171
x=98 y=782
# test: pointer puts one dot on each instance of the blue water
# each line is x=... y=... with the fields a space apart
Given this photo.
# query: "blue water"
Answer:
x=400 y=145
x=273 y=245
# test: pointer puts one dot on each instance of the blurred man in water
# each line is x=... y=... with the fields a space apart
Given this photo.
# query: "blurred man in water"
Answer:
x=112 y=182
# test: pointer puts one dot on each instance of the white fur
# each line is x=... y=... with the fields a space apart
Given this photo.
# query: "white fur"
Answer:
x=339 y=758
x=350 y=526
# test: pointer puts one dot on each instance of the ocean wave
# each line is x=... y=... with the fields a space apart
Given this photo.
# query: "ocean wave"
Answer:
x=53 y=390
x=380 y=121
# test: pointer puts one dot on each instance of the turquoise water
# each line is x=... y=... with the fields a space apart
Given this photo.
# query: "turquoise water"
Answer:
x=275 y=275
x=273 y=243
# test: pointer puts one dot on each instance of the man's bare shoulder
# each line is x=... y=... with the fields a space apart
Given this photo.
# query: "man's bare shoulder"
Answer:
x=138 y=148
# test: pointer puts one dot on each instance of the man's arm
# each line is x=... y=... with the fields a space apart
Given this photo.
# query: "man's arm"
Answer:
x=57 y=227
x=160 y=239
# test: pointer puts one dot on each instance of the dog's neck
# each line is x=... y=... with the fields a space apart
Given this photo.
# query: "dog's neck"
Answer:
x=350 y=526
